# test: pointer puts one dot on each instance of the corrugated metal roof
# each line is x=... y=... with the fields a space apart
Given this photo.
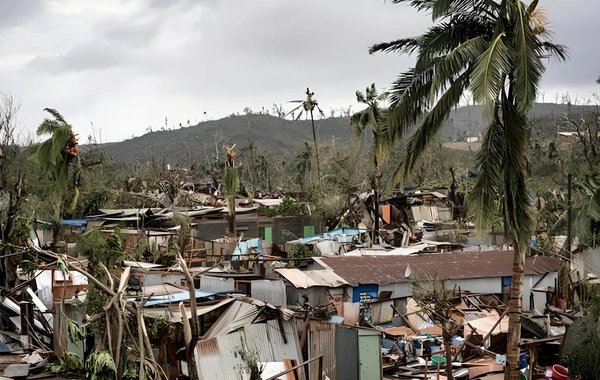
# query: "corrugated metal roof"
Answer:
x=384 y=270
x=542 y=264
x=306 y=279
x=237 y=315
x=406 y=251
x=270 y=291
x=217 y=284
x=166 y=293
x=175 y=314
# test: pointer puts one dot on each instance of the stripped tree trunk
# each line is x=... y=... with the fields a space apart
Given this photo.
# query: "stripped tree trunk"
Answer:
x=515 y=305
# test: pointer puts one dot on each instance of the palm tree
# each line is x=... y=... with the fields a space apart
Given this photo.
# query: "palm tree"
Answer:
x=231 y=185
x=56 y=153
x=495 y=50
x=373 y=116
x=307 y=106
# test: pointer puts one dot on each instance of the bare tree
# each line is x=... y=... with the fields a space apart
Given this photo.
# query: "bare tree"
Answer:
x=11 y=181
x=279 y=111
x=430 y=292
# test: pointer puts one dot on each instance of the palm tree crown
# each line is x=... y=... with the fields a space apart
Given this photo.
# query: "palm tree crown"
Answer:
x=55 y=153
x=373 y=116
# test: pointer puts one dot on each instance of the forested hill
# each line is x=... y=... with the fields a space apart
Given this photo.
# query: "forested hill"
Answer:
x=278 y=136
x=200 y=141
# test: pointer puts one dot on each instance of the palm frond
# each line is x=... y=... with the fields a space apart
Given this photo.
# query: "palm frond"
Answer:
x=556 y=51
x=301 y=106
x=593 y=209
x=401 y=46
x=528 y=67
x=431 y=125
x=490 y=72
x=408 y=101
x=455 y=62
x=360 y=97
x=483 y=205
x=358 y=122
x=517 y=209
x=56 y=115
x=444 y=37
x=444 y=8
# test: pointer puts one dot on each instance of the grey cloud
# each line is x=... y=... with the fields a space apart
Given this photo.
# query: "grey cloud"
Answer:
x=184 y=3
x=81 y=58
x=133 y=32
x=178 y=58
x=15 y=12
x=575 y=25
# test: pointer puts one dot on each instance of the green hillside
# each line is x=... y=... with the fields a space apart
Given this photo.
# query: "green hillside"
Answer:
x=201 y=142
x=271 y=133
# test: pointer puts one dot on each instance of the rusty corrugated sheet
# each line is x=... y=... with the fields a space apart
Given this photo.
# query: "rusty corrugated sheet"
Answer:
x=384 y=270
x=269 y=291
x=541 y=264
x=218 y=358
x=322 y=342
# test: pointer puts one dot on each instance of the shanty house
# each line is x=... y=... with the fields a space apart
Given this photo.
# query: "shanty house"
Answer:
x=361 y=279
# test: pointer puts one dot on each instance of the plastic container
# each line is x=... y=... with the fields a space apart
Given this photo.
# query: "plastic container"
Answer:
x=559 y=372
x=435 y=359
x=523 y=360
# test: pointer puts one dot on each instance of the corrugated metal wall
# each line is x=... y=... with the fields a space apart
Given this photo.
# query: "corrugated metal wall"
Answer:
x=346 y=341
x=217 y=284
x=269 y=291
x=478 y=285
x=217 y=358
x=150 y=279
x=322 y=342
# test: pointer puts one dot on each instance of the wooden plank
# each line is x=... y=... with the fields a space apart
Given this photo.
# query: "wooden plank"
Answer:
x=289 y=364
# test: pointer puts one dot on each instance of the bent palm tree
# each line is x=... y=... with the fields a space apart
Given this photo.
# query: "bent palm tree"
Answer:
x=56 y=153
x=373 y=116
x=307 y=106
x=495 y=50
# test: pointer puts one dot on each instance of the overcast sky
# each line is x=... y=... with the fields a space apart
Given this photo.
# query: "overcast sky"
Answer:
x=125 y=65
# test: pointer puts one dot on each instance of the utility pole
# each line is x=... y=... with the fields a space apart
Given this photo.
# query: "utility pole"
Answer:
x=569 y=220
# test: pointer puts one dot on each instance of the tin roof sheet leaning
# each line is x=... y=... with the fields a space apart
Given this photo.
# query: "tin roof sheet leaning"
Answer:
x=308 y=278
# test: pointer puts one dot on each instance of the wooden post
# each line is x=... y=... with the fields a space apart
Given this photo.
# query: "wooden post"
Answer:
x=26 y=322
x=320 y=375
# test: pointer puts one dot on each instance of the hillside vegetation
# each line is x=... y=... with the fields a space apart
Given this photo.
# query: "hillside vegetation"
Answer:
x=204 y=141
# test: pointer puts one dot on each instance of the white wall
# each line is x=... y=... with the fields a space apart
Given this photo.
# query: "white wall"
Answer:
x=587 y=262
x=478 y=285
x=539 y=298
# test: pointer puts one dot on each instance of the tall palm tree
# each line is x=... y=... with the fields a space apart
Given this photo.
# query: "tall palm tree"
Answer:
x=495 y=50
x=231 y=185
x=307 y=106
x=373 y=116
x=55 y=154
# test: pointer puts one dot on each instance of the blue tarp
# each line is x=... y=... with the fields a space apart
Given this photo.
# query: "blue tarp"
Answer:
x=244 y=247
x=177 y=297
x=348 y=231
